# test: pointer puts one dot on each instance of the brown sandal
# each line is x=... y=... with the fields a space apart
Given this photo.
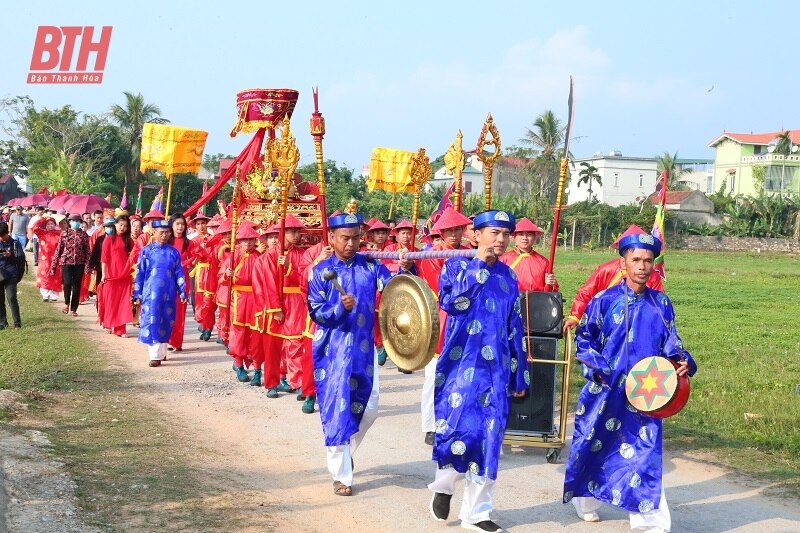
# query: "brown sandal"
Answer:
x=65 y=310
x=340 y=489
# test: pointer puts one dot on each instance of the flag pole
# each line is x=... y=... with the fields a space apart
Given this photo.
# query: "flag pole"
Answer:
x=169 y=197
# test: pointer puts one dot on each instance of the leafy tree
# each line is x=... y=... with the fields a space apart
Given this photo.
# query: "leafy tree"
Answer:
x=589 y=175
x=130 y=120
x=547 y=140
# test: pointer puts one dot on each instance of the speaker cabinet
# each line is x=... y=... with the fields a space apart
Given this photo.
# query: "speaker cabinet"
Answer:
x=542 y=313
x=535 y=412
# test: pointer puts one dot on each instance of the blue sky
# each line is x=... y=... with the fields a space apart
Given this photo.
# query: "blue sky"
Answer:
x=649 y=77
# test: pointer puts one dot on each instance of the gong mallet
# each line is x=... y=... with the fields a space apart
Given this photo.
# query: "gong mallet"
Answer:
x=330 y=275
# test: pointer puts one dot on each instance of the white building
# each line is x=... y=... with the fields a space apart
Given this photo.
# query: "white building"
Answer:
x=472 y=180
x=625 y=180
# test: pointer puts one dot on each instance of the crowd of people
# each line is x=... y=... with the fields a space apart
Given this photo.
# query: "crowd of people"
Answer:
x=290 y=329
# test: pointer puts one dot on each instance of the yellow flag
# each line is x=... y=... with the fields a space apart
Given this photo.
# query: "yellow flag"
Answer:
x=389 y=170
x=171 y=149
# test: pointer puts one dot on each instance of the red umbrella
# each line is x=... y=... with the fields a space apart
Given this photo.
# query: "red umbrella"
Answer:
x=85 y=203
x=34 y=199
x=58 y=202
x=13 y=202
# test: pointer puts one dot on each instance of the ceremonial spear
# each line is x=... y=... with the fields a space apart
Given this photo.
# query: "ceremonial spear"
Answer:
x=562 y=179
x=318 y=132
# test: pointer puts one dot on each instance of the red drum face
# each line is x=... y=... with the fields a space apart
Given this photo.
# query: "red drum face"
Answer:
x=654 y=388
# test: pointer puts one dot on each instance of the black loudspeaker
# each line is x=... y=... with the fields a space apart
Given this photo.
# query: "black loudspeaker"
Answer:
x=536 y=411
x=542 y=313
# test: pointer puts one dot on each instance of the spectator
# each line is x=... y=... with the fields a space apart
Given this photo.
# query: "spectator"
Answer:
x=32 y=235
x=18 y=226
x=12 y=268
x=97 y=217
x=72 y=255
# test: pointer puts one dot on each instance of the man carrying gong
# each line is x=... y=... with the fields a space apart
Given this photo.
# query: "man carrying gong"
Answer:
x=616 y=451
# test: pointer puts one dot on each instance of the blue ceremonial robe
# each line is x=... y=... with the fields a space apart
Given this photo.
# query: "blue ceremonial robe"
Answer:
x=616 y=451
x=482 y=352
x=159 y=279
x=344 y=343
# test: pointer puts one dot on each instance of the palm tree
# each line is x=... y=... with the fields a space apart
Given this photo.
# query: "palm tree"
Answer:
x=547 y=139
x=668 y=163
x=588 y=175
x=547 y=135
x=130 y=119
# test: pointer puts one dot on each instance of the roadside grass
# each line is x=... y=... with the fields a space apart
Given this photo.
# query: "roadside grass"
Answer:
x=739 y=316
x=132 y=464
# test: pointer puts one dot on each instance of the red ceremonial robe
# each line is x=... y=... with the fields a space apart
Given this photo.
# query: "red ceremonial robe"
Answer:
x=604 y=276
x=245 y=312
x=308 y=261
x=289 y=300
x=187 y=259
x=114 y=294
x=222 y=254
x=205 y=283
x=529 y=268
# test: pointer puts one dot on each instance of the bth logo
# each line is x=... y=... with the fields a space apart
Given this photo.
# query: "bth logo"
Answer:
x=54 y=59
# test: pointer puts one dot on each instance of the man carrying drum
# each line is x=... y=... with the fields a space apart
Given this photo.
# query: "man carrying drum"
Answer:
x=616 y=450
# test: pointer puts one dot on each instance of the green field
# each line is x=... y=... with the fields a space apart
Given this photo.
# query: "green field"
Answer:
x=739 y=316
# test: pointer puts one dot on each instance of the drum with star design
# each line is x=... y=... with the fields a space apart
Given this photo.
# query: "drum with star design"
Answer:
x=654 y=388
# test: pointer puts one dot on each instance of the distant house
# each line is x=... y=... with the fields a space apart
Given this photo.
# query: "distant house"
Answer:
x=625 y=179
x=690 y=206
x=508 y=176
x=738 y=153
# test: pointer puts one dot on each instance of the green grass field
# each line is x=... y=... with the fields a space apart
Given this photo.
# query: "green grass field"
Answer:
x=739 y=316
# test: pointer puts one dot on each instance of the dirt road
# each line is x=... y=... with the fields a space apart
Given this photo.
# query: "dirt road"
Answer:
x=273 y=456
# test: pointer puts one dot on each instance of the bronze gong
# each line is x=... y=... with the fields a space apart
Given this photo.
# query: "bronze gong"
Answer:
x=409 y=322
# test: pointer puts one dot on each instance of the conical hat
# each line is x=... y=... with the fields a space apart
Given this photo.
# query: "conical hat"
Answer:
x=451 y=219
x=526 y=225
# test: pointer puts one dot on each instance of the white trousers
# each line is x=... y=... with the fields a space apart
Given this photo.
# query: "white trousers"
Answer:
x=476 y=506
x=656 y=518
x=426 y=402
x=339 y=457
x=47 y=294
x=157 y=351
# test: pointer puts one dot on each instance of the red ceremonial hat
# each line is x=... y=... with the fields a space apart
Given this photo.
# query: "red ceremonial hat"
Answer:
x=377 y=225
x=154 y=214
x=275 y=228
x=403 y=224
x=199 y=216
x=293 y=223
x=224 y=226
x=526 y=225
x=633 y=230
x=246 y=231
x=337 y=212
x=369 y=222
x=450 y=219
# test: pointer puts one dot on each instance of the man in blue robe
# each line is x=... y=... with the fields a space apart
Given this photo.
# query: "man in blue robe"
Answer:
x=616 y=451
x=481 y=364
x=159 y=279
x=344 y=345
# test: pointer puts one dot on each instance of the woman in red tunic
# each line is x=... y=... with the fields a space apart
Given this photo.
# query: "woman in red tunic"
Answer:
x=48 y=234
x=114 y=290
x=188 y=251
